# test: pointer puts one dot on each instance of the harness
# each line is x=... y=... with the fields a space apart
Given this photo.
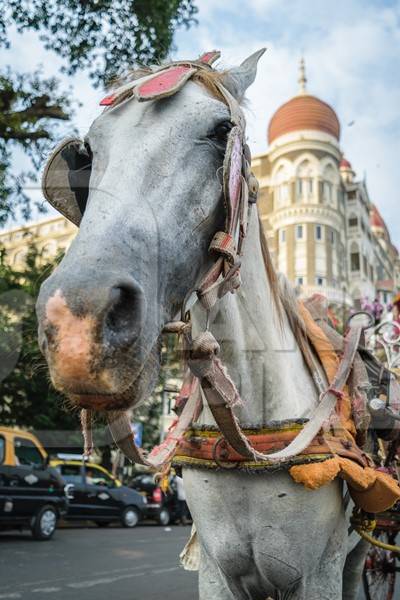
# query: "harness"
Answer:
x=281 y=445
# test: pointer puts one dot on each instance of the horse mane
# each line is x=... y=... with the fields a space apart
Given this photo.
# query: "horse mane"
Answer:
x=282 y=292
x=209 y=80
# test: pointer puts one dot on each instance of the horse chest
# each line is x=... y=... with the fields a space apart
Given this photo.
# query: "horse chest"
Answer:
x=263 y=529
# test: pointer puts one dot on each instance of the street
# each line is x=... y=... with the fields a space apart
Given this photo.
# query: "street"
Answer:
x=90 y=563
x=96 y=563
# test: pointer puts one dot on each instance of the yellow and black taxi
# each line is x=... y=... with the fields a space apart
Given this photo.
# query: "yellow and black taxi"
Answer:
x=98 y=496
x=32 y=494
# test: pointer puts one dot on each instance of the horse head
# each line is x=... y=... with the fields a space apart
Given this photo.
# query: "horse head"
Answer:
x=145 y=187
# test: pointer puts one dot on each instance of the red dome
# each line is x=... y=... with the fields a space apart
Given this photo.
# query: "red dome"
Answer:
x=344 y=164
x=304 y=112
x=376 y=220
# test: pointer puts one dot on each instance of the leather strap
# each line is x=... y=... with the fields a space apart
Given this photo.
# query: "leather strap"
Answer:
x=222 y=396
x=161 y=455
x=206 y=445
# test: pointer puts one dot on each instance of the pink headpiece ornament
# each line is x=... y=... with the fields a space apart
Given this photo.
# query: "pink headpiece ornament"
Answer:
x=165 y=82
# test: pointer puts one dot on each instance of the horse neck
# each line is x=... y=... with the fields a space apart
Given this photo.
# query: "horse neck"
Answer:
x=258 y=347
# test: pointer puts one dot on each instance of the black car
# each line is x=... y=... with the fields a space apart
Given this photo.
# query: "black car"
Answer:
x=32 y=494
x=98 y=496
x=163 y=507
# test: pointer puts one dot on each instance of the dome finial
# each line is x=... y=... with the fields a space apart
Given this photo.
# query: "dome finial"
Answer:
x=302 y=77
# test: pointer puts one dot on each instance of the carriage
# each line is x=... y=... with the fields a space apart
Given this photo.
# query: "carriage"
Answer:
x=383 y=558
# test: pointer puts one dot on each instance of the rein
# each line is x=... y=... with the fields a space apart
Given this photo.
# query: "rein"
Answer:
x=207 y=377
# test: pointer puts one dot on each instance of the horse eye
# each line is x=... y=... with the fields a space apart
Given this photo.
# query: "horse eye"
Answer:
x=221 y=132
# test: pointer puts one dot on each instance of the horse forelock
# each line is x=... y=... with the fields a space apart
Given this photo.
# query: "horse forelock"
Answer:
x=209 y=79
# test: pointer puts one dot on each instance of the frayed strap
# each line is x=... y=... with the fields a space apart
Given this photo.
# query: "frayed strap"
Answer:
x=121 y=431
x=87 y=431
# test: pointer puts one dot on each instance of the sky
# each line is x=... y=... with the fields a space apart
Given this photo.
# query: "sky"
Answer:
x=352 y=54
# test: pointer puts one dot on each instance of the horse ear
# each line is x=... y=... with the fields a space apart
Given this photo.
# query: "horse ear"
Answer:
x=238 y=79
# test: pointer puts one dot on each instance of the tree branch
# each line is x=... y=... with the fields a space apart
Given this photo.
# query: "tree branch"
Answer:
x=25 y=135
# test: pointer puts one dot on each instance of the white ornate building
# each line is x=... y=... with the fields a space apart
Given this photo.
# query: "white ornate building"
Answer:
x=324 y=233
x=51 y=236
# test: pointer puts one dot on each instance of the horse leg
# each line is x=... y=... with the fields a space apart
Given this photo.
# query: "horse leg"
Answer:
x=353 y=569
x=212 y=582
x=326 y=580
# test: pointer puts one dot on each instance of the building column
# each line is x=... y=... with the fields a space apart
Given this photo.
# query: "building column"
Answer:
x=310 y=253
x=328 y=250
x=290 y=252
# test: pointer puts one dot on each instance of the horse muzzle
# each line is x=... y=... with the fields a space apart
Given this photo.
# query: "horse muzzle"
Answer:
x=91 y=338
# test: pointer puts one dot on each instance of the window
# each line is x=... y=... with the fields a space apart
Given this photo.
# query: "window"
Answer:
x=299 y=188
x=282 y=190
x=71 y=473
x=318 y=232
x=365 y=265
x=305 y=187
x=319 y=280
x=299 y=280
x=353 y=222
x=95 y=476
x=332 y=237
x=355 y=261
x=283 y=194
x=19 y=257
x=26 y=452
x=352 y=194
x=305 y=181
x=2 y=449
x=371 y=272
x=299 y=232
x=327 y=192
x=283 y=236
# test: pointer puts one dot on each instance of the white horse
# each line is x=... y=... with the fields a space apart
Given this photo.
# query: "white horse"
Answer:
x=154 y=204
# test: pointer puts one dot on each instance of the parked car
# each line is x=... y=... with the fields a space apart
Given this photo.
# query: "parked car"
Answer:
x=32 y=494
x=97 y=495
x=163 y=507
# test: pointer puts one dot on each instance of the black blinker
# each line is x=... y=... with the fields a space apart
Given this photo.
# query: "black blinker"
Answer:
x=79 y=161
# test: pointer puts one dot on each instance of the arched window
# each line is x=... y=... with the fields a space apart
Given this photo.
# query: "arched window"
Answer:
x=19 y=257
x=354 y=257
x=328 y=186
x=353 y=220
x=49 y=249
x=282 y=187
x=305 y=181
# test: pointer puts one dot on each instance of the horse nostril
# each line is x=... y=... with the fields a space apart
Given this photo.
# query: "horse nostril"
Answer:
x=125 y=313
